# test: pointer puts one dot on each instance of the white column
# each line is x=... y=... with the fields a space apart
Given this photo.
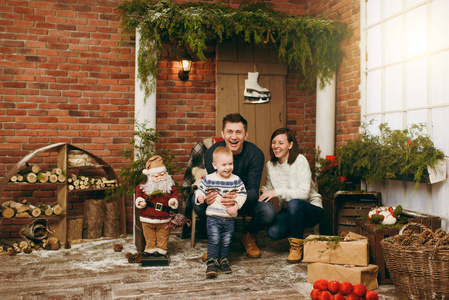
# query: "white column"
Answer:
x=325 y=118
x=144 y=107
x=144 y=110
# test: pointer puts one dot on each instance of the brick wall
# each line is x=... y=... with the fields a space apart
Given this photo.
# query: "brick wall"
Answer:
x=64 y=78
x=348 y=75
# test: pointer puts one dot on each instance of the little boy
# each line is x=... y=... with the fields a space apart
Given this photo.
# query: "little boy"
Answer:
x=220 y=222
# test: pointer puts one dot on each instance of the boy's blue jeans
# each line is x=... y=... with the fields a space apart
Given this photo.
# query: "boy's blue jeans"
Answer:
x=219 y=233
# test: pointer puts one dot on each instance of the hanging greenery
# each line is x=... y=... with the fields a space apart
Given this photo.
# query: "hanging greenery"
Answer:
x=308 y=45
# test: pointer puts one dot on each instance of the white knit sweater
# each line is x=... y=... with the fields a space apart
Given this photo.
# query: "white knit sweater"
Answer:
x=292 y=182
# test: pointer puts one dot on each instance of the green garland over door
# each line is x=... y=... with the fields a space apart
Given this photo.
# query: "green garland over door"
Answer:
x=309 y=46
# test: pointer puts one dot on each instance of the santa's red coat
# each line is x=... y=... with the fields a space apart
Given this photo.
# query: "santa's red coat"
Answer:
x=147 y=214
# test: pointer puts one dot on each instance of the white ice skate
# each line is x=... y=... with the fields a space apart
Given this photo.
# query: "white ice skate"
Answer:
x=254 y=93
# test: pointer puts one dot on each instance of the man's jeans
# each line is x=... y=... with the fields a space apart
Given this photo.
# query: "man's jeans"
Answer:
x=262 y=213
x=291 y=221
x=219 y=233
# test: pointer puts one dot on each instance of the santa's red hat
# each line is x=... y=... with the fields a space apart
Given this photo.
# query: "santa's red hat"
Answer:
x=154 y=165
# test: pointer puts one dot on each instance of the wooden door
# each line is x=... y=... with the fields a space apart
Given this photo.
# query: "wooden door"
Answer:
x=234 y=60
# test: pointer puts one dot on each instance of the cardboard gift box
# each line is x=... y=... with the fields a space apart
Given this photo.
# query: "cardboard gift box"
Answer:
x=353 y=274
x=352 y=251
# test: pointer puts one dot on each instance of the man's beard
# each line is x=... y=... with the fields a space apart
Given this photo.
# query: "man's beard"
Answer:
x=164 y=185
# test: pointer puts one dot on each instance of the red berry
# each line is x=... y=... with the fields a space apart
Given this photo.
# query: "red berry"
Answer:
x=315 y=294
x=333 y=286
x=345 y=288
x=359 y=289
x=322 y=284
x=325 y=295
x=371 y=295
x=353 y=296
x=338 y=297
x=315 y=284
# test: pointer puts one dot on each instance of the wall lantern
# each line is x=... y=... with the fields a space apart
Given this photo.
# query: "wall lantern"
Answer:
x=186 y=65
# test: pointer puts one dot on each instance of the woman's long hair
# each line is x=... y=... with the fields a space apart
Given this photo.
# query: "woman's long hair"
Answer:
x=293 y=152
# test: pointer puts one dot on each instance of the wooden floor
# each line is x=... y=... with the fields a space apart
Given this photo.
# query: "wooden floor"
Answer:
x=92 y=270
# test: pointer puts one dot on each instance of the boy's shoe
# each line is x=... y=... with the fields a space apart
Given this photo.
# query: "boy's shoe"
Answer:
x=212 y=269
x=224 y=266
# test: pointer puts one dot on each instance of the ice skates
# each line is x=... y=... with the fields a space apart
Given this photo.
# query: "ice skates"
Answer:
x=254 y=93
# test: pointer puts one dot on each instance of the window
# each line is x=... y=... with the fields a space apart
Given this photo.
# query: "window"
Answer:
x=405 y=80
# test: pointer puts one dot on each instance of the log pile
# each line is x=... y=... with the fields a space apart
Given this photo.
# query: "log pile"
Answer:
x=33 y=174
x=84 y=182
x=14 y=246
x=13 y=209
x=78 y=158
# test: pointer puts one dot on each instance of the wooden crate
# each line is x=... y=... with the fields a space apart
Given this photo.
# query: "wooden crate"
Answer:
x=375 y=235
x=348 y=206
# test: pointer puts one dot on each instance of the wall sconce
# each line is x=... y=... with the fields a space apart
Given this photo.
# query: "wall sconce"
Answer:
x=186 y=66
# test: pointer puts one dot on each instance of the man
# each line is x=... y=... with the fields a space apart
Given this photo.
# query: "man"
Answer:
x=249 y=162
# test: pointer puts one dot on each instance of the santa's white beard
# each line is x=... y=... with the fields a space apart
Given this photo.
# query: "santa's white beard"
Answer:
x=164 y=185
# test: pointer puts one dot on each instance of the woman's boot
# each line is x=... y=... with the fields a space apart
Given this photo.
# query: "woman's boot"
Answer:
x=295 y=255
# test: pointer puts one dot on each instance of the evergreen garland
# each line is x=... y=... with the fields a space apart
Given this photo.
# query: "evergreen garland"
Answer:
x=308 y=45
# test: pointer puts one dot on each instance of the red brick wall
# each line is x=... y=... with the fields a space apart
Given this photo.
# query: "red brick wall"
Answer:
x=348 y=75
x=63 y=78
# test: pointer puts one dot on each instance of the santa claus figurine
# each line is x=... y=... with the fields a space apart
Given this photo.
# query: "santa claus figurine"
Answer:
x=157 y=199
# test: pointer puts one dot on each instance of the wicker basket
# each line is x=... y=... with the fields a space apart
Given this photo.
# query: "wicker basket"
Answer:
x=418 y=272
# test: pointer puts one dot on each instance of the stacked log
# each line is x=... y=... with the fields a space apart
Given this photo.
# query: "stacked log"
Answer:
x=111 y=227
x=84 y=182
x=12 y=209
x=15 y=245
x=33 y=174
x=78 y=158
x=93 y=218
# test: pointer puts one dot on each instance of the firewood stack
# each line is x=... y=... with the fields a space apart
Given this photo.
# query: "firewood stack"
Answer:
x=84 y=182
x=14 y=246
x=12 y=209
x=33 y=174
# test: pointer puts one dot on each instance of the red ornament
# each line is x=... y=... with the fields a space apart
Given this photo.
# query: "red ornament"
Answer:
x=359 y=289
x=322 y=284
x=338 y=297
x=371 y=295
x=315 y=294
x=345 y=288
x=325 y=295
x=333 y=286
x=353 y=296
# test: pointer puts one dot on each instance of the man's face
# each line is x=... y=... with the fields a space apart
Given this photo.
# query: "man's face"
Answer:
x=234 y=135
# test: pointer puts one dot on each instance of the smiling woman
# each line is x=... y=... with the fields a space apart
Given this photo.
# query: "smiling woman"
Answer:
x=289 y=179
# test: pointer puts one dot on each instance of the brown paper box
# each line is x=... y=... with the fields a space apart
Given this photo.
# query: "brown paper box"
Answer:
x=352 y=252
x=353 y=274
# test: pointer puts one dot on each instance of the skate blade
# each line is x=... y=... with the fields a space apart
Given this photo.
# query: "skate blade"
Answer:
x=250 y=91
x=256 y=100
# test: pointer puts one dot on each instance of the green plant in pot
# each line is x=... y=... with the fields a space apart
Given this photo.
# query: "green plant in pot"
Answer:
x=144 y=141
x=392 y=154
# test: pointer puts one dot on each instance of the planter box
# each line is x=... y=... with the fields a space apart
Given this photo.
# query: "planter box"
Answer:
x=430 y=175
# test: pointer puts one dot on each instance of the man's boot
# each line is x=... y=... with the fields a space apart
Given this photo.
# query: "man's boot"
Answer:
x=249 y=242
x=295 y=255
